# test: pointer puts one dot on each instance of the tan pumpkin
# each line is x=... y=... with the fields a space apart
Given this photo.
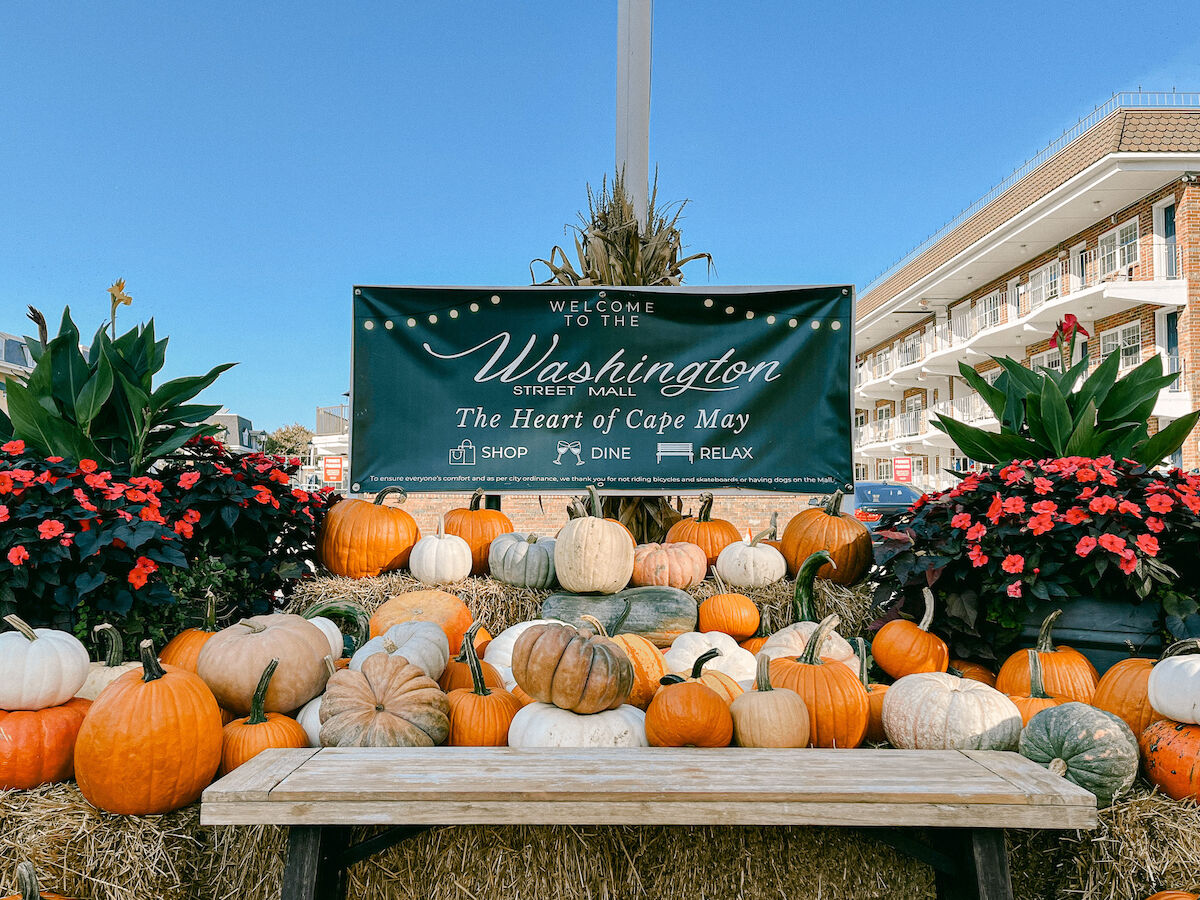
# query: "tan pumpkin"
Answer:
x=592 y=555
x=388 y=703
x=709 y=534
x=234 y=658
x=102 y=674
x=846 y=539
x=769 y=716
x=362 y=539
x=243 y=739
x=444 y=609
x=478 y=526
x=580 y=670
x=678 y=565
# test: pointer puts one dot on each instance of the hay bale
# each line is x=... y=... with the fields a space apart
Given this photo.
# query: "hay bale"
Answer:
x=498 y=605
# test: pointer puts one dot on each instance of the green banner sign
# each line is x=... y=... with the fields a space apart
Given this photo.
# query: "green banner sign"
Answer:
x=639 y=390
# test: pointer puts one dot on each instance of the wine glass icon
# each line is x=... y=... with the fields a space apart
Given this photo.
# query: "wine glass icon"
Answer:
x=569 y=447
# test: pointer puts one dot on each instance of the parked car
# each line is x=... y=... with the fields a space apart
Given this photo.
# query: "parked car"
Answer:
x=874 y=501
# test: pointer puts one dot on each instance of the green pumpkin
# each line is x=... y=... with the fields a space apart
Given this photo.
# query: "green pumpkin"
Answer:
x=522 y=560
x=1087 y=746
x=659 y=614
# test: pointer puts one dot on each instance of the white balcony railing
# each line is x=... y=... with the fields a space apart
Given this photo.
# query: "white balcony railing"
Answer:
x=1173 y=365
x=333 y=419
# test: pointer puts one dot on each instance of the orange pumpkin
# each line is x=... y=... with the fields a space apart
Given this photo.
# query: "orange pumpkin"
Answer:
x=28 y=887
x=734 y=614
x=37 y=746
x=183 y=650
x=1037 y=699
x=905 y=648
x=647 y=660
x=243 y=739
x=1067 y=673
x=1122 y=692
x=686 y=713
x=478 y=526
x=709 y=534
x=678 y=565
x=457 y=673
x=361 y=538
x=480 y=715
x=721 y=684
x=444 y=609
x=972 y=671
x=151 y=742
x=1171 y=758
x=838 y=707
x=875 y=692
x=828 y=528
x=754 y=644
x=523 y=698
x=1173 y=895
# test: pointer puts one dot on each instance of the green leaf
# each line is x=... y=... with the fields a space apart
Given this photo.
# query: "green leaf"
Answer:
x=991 y=395
x=1082 y=441
x=1067 y=381
x=1167 y=441
x=1056 y=418
x=94 y=394
x=178 y=437
x=1124 y=401
x=42 y=429
x=985 y=446
x=180 y=389
x=1016 y=409
x=188 y=412
x=6 y=428
x=1097 y=385
x=1031 y=381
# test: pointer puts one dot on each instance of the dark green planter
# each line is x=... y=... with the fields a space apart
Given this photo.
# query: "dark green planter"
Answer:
x=1103 y=631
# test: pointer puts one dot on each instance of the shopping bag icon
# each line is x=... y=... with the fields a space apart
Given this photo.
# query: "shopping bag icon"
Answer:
x=463 y=454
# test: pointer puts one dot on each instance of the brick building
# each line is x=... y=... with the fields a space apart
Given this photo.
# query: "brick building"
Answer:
x=1104 y=223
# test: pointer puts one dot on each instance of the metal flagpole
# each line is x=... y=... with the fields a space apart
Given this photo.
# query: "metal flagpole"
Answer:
x=634 y=24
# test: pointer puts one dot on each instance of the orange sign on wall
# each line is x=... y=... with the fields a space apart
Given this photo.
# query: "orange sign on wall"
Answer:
x=333 y=468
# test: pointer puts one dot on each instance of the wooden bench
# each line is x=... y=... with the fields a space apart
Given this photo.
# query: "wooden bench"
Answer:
x=969 y=797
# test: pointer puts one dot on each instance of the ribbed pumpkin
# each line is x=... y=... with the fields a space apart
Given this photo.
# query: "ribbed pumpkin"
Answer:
x=151 y=743
x=37 y=746
x=875 y=692
x=1037 y=699
x=362 y=539
x=735 y=614
x=688 y=713
x=578 y=509
x=457 y=673
x=480 y=715
x=183 y=650
x=39 y=667
x=441 y=558
x=751 y=563
x=113 y=666
x=973 y=671
x=1122 y=691
x=522 y=560
x=389 y=703
x=545 y=725
x=647 y=660
x=28 y=887
x=791 y=640
x=593 y=555
x=731 y=660
x=768 y=716
x=721 y=684
x=709 y=534
x=846 y=539
x=838 y=706
x=937 y=711
x=478 y=526
x=1068 y=674
x=1171 y=755
x=903 y=648
x=1089 y=747
x=443 y=609
x=678 y=565
x=581 y=670
x=421 y=643
x=1173 y=687
x=245 y=738
x=1173 y=895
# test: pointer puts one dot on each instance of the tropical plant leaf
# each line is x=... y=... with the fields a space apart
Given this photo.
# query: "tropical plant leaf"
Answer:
x=179 y=390
x=1056 y=418
x=1097 y=385
x=1167 y=440
x=94 y=394
x=992 y=396
x=1083 y=438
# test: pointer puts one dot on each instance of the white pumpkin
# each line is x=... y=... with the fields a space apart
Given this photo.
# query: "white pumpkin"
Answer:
x=737 y=663
x=102 y=674
x=522 y=560
x=423 y=644
x=39 y=667
x=440 y=558
x=593 y=555
x=545 y=725
x=332 y=633
x=938 y=711
x=792 y=639
x=1174 y=686
x=750 y=563
x=500 y=648
x=309 y=718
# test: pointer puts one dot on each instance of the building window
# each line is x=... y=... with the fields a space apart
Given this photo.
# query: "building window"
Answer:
x=987 y=310
x=991 y=375
x=1049 y=359
x=860 y=418
x=14 y=353
x=883 y=469
x=1043 y=285
x=963 y=464
x=1119 y=248
x=1127 y=340
x=860 y=472
x=882 y=413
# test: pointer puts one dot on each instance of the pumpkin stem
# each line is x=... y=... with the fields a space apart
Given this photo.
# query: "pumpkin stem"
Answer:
x=812 y=655
x=595 y=623
x=774 y=526
x=114 y=653
x=761 y=536
x=475 y=499
x=860 y=650
x=1188 y=645
x=762 y=673
x=706 y=504
x=834 y=506
x=615 y=629
x=1037 y=686
x=698 y=665
x=389 y=645
x=927 y=619
x=671 y=679
x=597 y=504
x=257 y=715
x=531 y=538
x=20 y=625
x=387 y=492
x=350 y=611
x=1045 y=644
x=468 y=638
x=1058 y=766
x=957 y=673
x=27 y=881
x=441 y=526
x=329 y=665
x=722 y=588
x=152 y=669
x=210 y=611
x=468 y=650
x=802 y=600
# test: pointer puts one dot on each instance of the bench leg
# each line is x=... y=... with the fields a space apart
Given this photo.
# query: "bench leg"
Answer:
x=314 y=869
x=982 y=873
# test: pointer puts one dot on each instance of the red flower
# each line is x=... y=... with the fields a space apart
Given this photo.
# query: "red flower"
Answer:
x=1042 y=485
x=188 y=480
x=1068 y=328
x=962 y=520
x=3 y=513
x=54 y=459
x=1192 y=502
x=1160 y=503
x=133 y=495
x=1014 y=505
x=1040 y=524
x=1085 y=475
x=17 y=554
x=1128 y=562
x=88 y=466
x=1130 y=509
x=97 y=481
x=6 y=483
x=276 y=475
x=191 y=516
x=150 y=514
x=976 y=531
x=1148 y=544
x=13 y=447
x=1102 y=504
x=51 y=528
x=1013 y=563
x=977 y=556
x=1075 y=515
x=1085 y=546
x=1045 y=507
x=302 y=496
x=995 y=509
x=1154 y=524
x=140 y=572
x=1112 y=542
x=1012 y=474
x=1014 y=589
x=184 y=528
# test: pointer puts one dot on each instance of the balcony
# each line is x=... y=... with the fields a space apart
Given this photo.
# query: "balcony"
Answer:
x=333 y=419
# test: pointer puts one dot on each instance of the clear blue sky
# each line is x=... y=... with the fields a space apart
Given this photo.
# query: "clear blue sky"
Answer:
x=243 y=165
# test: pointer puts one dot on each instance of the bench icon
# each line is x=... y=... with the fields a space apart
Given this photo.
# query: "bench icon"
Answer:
x=669 y=449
